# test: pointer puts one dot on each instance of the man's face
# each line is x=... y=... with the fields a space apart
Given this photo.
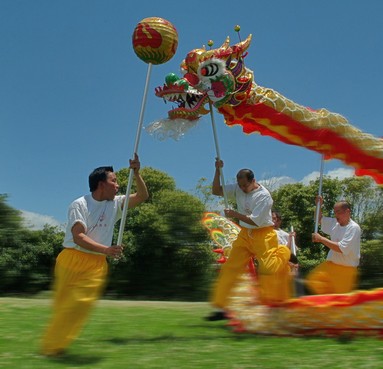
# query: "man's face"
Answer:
x=110 y=186
x=245 y=185
x=277 y=222
x=342 y=215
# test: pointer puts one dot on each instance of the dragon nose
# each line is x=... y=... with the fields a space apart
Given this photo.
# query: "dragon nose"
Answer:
x=192 y=78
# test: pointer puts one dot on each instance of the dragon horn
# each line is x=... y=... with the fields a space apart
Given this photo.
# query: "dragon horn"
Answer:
x=226 y=44
x=226 y=51
x=196 y=56
x=223 y=50
x=242 y=46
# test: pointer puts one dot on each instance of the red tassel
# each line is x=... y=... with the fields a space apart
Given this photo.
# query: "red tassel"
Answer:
x=221 y=260
x=218 y=251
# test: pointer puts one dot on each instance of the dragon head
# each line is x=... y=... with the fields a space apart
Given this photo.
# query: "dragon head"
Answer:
x=215 y=76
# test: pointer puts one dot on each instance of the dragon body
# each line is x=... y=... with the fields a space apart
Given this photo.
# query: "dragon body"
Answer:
x=219 y=78
x=356 y=313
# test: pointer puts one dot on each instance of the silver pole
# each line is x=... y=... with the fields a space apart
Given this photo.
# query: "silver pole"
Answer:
x=131 y=172
x=317 y=210
x=218 y=154
x=293 y=245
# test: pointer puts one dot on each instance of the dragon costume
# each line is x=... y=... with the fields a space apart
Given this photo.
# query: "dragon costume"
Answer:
x=219 y=78
x=356 y=313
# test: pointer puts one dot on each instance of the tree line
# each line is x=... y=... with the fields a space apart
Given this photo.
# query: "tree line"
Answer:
x=168 y=253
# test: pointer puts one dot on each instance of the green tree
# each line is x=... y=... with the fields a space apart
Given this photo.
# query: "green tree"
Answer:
x=10 y=220
x=371 y=261
x=155 y=180
x=366 y=200
x=296 y=203
x=26 y=256
x=167 y=250
x=203 y=192
x=47 y=244
x=11 y=235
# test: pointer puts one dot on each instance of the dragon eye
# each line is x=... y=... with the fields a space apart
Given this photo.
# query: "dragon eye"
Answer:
x=209 y=70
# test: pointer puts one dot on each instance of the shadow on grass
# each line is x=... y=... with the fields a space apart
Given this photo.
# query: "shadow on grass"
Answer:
x=222 y=332
x=168 y=338
x=225 y=335
x=76 y=359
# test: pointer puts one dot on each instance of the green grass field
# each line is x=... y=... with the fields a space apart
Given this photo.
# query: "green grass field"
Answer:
x=138 y=335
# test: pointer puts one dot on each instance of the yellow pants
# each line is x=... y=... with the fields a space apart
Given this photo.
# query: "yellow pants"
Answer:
x=275 y=288
x=261 y=243
x=79 y=281
x=329 y=278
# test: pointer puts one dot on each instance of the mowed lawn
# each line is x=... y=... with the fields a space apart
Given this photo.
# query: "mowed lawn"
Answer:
x=138 y=334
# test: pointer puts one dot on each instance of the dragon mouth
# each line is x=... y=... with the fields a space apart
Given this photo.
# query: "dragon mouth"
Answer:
x=189 y=105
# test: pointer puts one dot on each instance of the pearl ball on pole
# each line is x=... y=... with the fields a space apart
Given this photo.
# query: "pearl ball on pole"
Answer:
x=155 y=41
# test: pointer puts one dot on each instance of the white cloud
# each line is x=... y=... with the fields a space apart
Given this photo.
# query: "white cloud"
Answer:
x=339 y=173
x=36 y=221
x=274 y=183
x=310 y=177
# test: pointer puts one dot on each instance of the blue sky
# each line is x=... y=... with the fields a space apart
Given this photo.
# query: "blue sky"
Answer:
x=71 y=88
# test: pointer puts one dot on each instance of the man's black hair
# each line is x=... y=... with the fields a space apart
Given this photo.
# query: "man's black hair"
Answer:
x=344 y=204
x=246 y=173
x=100 y=174
x=277 y=214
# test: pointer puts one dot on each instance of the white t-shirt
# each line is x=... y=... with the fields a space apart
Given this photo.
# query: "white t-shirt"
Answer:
x=283 y=237
x=256 y=204
x=97 y=217
x=348 y=238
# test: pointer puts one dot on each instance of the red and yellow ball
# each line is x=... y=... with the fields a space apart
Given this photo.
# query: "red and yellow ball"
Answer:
x=155 y=40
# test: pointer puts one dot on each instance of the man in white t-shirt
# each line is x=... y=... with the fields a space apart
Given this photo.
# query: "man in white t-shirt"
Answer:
x=81 y=267
x=338 y=274
x=281 y=284
x=257 y=238
x=284 y=238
